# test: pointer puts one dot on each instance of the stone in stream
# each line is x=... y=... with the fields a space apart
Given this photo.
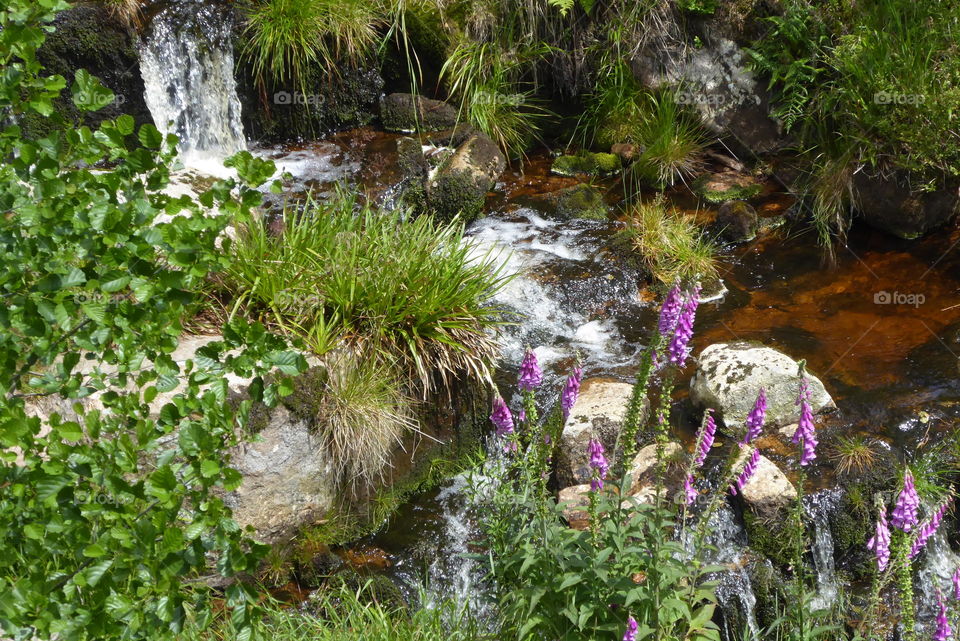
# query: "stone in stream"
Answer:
x=642 y=469
x=768 y=493
x=578 y=201
x=598 y=413
x=737 y=221
x=405 y=113
x=891 y=205
x=461 y=183
x=729 y=377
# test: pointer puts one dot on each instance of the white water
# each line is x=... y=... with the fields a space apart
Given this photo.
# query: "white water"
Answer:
x=186 y=60
x=818 y=510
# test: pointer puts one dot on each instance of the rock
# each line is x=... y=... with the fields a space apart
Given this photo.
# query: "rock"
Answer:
x=625 y=151
x=643 y=468
x=737 y=221
x=889 y=204
x=288 y=479
x=461 y=183
x=574 y=501
x=598 y=413
x=586 y=163
x=405 y=112
x=769 y=492
x=729 y=377
x=726 y=185
x=88 y=37
x=579 y=201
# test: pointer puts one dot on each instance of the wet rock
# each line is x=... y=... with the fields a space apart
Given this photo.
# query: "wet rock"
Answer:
x=643 y=468
x=405 y=112
x=579 y=201
x=598 y=413
x=88 y=37
x=574 y=501
x=727 y=185
x=587 y=164
x=768 y=493
x=461 y=183
x=737 y=221
x=891 y=205
x=729 y=377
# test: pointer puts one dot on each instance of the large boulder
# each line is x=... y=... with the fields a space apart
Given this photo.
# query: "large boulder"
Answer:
x=891 y=205
x=598 y=413
x=644 y=465
x=768 y=493
x=729 y=377
x=406 y=112
x=460 y=184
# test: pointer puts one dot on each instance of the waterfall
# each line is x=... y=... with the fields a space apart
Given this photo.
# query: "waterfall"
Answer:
x=818 y=508
x=186 y=59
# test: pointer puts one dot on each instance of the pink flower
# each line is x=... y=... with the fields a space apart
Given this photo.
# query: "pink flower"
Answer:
x=806 y=432
x=708 y=431
x=905 y=511
x=689 y=492
x=531 y=376
x=748 y=471
x=880 y=543
x=756 y=418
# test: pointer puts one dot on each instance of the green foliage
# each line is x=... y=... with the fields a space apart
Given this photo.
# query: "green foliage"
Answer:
x=705 y=7
x=673 y=246
x=411 y=291
x=113 y=496
x=284 y=38
x=586 y=163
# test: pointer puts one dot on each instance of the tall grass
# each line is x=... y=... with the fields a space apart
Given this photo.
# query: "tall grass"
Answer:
x=129 y=12
x=673 y=247
x=283 y=39
x=415 y=292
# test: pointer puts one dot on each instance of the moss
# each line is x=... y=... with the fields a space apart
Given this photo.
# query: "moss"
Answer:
x=768 y=588
x=305 y=400
x=404 y=112
x=587 y=163
x=580 y=201
x=455 y=192
x=767 y=539
x=735 y=192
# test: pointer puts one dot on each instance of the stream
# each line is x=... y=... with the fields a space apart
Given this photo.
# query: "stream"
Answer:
x=881 y=328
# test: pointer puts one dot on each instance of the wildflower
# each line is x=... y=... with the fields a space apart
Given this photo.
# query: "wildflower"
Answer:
x=928 y=529
x=756 y=418
x=631 y=632
x=670 y=311
x=956 y=584
x=501 y=417
x=943 y=632
x=599 y=464
x=679 y=348
x=531 y=376
x=705 y=439
x=905 y=511
x=691 y=494
x=880 y=543
x=571 y=390
x=748 y=471
x=806 y=432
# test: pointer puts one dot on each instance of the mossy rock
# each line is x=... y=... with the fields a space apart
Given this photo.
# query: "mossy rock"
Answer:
x=461 y=183
x=768 y=538
x=737 y=221
x=405 y=113
x=579 y=201
x=88 y=37
x=726 y=186
x=587 y=163
x=769 y=589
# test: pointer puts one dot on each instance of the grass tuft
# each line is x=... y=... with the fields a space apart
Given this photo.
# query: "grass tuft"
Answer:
x=854 y=455
x=672 y=245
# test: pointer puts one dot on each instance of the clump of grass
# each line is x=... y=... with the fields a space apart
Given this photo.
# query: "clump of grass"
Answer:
x=284 y=38
x=129 y=12
x=413 y=292
x=674 y=248
x=854 y=455
x=486 y=80
x=673 y=142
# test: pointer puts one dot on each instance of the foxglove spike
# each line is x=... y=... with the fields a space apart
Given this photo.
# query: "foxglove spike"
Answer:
x=905 y=511
x=571 y=390
x=690 y=494
x=748 y=471
x=880 y=543
x=928 y=529
x=806 y=431
x=631 y=633
x=531 y=376
x=943 y=632
x=756 y=418
x=705 y=439
x=501 y=417
x=679 y=348
x=670 y=312
x=599 y=464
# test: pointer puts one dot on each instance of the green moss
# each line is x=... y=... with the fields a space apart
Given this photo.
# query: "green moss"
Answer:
x=580 y=201
x=587 y=163
x=456 y=192
x=767 y=539
x=768 y=588
x=737 y=192
x=426 y=34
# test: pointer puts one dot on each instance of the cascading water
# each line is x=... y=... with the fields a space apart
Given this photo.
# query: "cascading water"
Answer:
x=818 y=509
x=186 y=59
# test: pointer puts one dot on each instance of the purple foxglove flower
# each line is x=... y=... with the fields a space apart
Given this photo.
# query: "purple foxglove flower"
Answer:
x=689 y=491
x=905 y=511
x=806 y=432
x=708 y=432
x=756 y=418
x=880 y=543
x=531 y=376
x=501 y=417
x=928 y=529
x=522 y=416
x=599 y=464
x=679 y=347
x=943 y=632
x=670 y=312
x=747 y=472
x=571 y=390
x=956 y=584
x=631 y=632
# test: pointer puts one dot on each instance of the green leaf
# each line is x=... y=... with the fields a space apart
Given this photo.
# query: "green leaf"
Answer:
x=88 y=93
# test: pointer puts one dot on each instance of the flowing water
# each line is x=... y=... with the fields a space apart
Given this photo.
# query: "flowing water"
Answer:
x=186 y=59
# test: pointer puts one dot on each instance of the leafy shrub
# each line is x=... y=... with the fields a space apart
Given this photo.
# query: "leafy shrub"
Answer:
x=106 y=505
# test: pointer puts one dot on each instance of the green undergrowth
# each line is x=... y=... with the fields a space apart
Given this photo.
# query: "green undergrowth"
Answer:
x=673 y=247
